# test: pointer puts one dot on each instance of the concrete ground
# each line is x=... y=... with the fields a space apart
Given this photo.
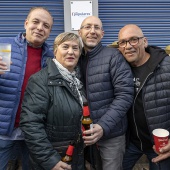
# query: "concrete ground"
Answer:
x=142 y=164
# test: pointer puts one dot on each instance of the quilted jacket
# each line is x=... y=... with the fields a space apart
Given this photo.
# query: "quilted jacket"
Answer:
x=109 y=85
x=11 y=82
x=155 y=93
x=51 y=114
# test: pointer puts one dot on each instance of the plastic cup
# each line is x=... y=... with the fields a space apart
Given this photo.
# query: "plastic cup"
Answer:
x=161 y=137
x=5 y=53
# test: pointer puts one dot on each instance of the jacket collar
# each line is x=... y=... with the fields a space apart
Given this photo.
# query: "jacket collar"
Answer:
x=55 y=78
x=94 y=51
x=53 y=71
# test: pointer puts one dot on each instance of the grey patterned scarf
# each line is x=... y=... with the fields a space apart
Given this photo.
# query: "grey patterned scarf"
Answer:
x=71 y=78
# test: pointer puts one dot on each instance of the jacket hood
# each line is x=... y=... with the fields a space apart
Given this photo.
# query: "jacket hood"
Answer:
x=157 y=54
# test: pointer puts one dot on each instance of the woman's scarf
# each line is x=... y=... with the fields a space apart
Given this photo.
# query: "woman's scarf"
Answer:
x=71 y=78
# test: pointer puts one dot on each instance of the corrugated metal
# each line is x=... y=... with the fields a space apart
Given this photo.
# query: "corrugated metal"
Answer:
x=13 y=14
x=152 y=16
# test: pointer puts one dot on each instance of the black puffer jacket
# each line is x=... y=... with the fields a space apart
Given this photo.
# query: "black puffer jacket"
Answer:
x=110 y=88
x=51 y=113
x=155 y=94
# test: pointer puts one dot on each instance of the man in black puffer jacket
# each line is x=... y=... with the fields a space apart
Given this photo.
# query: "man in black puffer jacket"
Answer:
x=151 y=108
x=108 y=81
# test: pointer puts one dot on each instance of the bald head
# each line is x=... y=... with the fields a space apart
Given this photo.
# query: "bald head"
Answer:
x=91 y=20
x=129 y=30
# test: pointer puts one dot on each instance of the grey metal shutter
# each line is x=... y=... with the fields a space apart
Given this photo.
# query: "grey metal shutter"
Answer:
x=13 y=14
x=153 y=16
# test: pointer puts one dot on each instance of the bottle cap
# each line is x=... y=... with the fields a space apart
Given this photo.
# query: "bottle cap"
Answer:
x=70 y=150
x=86 y=111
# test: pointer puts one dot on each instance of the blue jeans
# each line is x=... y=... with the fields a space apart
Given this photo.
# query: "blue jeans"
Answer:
x=11 y=150
x=132 y=154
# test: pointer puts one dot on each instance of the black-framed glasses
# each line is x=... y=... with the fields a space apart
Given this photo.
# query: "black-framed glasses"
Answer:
x=132 y=41
x=89 y=27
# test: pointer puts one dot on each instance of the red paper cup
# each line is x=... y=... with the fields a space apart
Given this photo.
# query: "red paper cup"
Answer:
x=161 y=137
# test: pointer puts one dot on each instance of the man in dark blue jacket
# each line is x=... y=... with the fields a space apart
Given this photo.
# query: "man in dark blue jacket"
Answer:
x=109 y=85
x=28 y=55
x=151 y=107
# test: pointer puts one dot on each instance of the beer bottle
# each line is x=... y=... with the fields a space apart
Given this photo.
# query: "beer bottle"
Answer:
x=68 y=157
x=87 y=122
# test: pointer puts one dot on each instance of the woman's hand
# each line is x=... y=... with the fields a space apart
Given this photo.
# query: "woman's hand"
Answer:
x=62 y=166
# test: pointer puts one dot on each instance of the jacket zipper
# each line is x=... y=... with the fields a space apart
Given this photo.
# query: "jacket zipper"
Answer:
x=143 y=108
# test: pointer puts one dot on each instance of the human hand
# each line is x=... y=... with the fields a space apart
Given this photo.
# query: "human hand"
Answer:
x=163 y=154
x=62 y=166
x=3 y=66
x=94 y=133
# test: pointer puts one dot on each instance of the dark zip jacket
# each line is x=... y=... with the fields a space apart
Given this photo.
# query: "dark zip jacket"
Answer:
x=109 y=86
x=155 y=98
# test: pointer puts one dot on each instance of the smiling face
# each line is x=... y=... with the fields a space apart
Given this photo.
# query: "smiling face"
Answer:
x=134 y=54
x=38 y=27
x=67 y=54
x=91 y=32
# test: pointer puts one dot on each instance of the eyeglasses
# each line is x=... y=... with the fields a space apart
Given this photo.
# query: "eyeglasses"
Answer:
x=89 y=27
x=132 y=41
